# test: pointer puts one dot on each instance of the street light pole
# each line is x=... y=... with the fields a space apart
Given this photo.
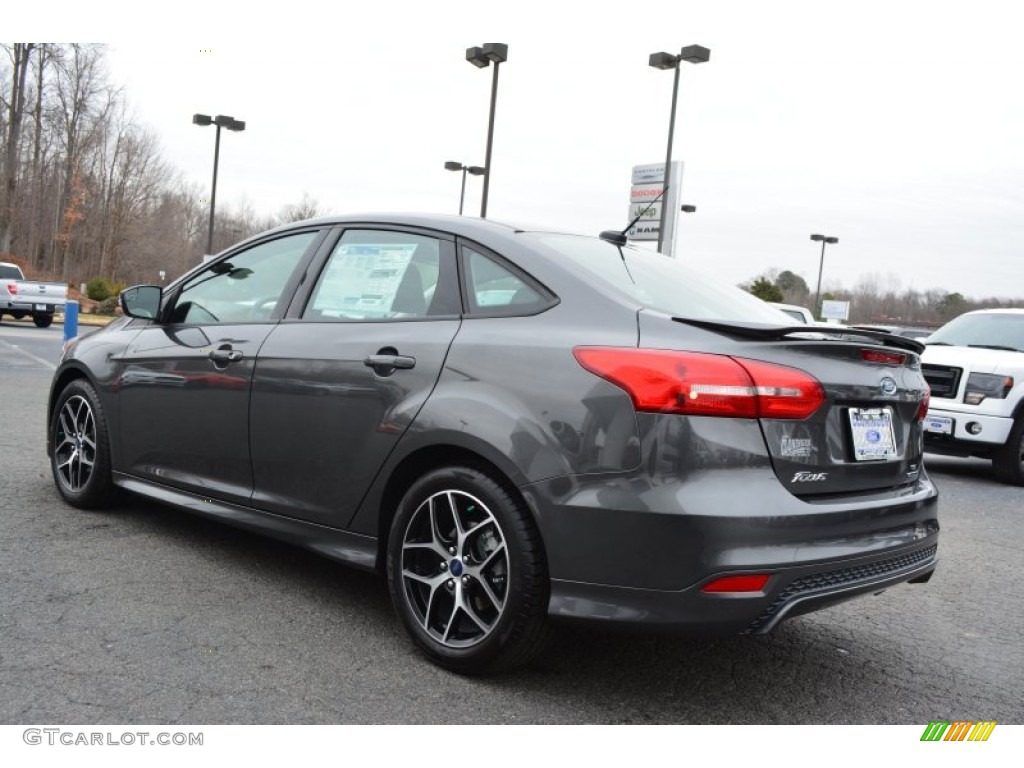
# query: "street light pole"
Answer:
x=476 y=170
x=213 y=192
x=821 y=265
x=482 y=57
x=695 y=54
x=668 y=158
x=221 y=121
x=462 y=194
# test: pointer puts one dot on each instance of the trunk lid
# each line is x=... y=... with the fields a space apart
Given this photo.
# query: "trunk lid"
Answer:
x=866 y=434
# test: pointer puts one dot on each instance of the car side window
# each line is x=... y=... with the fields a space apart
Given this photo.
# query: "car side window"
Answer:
x=244 y=288
x=383 y=275
x=494 y=289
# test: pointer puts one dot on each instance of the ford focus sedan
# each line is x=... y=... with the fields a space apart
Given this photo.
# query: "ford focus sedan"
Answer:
x=513 y=427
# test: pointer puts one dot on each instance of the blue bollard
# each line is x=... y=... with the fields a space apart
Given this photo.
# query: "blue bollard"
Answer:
x=70 y=320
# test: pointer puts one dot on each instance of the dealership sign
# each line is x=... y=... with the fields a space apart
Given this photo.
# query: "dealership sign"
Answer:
x=835 y=310
x=647 y=185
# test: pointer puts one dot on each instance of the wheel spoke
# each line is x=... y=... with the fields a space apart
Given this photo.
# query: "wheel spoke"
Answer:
x=451 y=622
x=68 y=431
x=430 y=581
x=468 y=610
x=77 y=414
x=459 y=529
x=498 y=604
x=490 y=558
x=435 y=531
x=429 y=546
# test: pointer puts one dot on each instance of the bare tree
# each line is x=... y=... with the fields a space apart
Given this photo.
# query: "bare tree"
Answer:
x=20 y=54
x=307 y=208
x=80 y=79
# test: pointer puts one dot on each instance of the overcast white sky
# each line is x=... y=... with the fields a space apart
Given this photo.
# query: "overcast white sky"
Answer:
x=897 y=127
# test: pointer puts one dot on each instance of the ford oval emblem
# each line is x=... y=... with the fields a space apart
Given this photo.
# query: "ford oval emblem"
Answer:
x=888 y=386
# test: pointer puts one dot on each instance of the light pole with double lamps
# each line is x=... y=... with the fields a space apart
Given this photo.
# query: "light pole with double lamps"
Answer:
x=482 y=57
x=823 y=239
x=221 y=121
x=695 y=54
x=476 y=170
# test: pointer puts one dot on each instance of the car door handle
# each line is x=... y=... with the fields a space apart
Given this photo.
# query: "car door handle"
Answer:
x=225 y=355
x=384 y=365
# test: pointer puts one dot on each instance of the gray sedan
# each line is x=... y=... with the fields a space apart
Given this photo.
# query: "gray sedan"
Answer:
x=513 y=427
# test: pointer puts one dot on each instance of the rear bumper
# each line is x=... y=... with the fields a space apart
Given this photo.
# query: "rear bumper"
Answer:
x=637 y=547
x=29 y=306
x=790 y=592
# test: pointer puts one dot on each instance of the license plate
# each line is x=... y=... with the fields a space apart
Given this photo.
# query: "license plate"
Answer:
x=942 y=425
x=873 y=438
x=41 y=307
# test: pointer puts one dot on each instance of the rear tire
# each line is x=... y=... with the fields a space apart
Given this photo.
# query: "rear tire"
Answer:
x=467 y=572
x=80 y=459
x=42 y=321
x=1008 y=459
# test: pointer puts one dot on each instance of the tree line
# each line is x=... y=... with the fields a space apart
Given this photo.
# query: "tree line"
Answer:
x=874 y=299
x=84 y=189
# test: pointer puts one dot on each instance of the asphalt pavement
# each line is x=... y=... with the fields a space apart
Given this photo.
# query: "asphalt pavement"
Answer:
x=144 y=614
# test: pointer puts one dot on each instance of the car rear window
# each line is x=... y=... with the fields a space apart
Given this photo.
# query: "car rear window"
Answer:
x=7 y=272
x=662 y=283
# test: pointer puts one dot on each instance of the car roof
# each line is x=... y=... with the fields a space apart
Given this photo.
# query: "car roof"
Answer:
x=467 y=226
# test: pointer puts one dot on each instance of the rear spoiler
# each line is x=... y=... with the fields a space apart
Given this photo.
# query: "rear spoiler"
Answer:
x=762 y=332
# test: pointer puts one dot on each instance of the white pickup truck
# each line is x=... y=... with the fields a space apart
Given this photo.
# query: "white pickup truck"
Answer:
x=20 y=297
x=975 y=368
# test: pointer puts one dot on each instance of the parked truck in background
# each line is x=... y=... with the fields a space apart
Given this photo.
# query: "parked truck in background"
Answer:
x=974 y=366
x=20 y=298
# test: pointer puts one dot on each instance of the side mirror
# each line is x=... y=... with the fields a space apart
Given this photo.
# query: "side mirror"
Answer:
x=142 y=301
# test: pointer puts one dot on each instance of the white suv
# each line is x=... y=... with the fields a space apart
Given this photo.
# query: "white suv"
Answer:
x=975 y=368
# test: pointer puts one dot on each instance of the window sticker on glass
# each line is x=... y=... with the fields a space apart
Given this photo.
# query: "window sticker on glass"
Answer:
x=362 y=279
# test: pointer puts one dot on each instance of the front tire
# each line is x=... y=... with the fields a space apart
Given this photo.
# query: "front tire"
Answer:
x=467 y=572
x=1008 y=460
x=80 y=459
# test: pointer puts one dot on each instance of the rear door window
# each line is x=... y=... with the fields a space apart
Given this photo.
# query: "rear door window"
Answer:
x=385 y=275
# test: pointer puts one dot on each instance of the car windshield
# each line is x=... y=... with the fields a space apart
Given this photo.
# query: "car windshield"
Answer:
x=662 y=283
x=996 y=329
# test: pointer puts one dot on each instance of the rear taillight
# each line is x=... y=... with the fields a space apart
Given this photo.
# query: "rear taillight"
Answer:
x=701 y=384
x=922 y=409
x=12 y=288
